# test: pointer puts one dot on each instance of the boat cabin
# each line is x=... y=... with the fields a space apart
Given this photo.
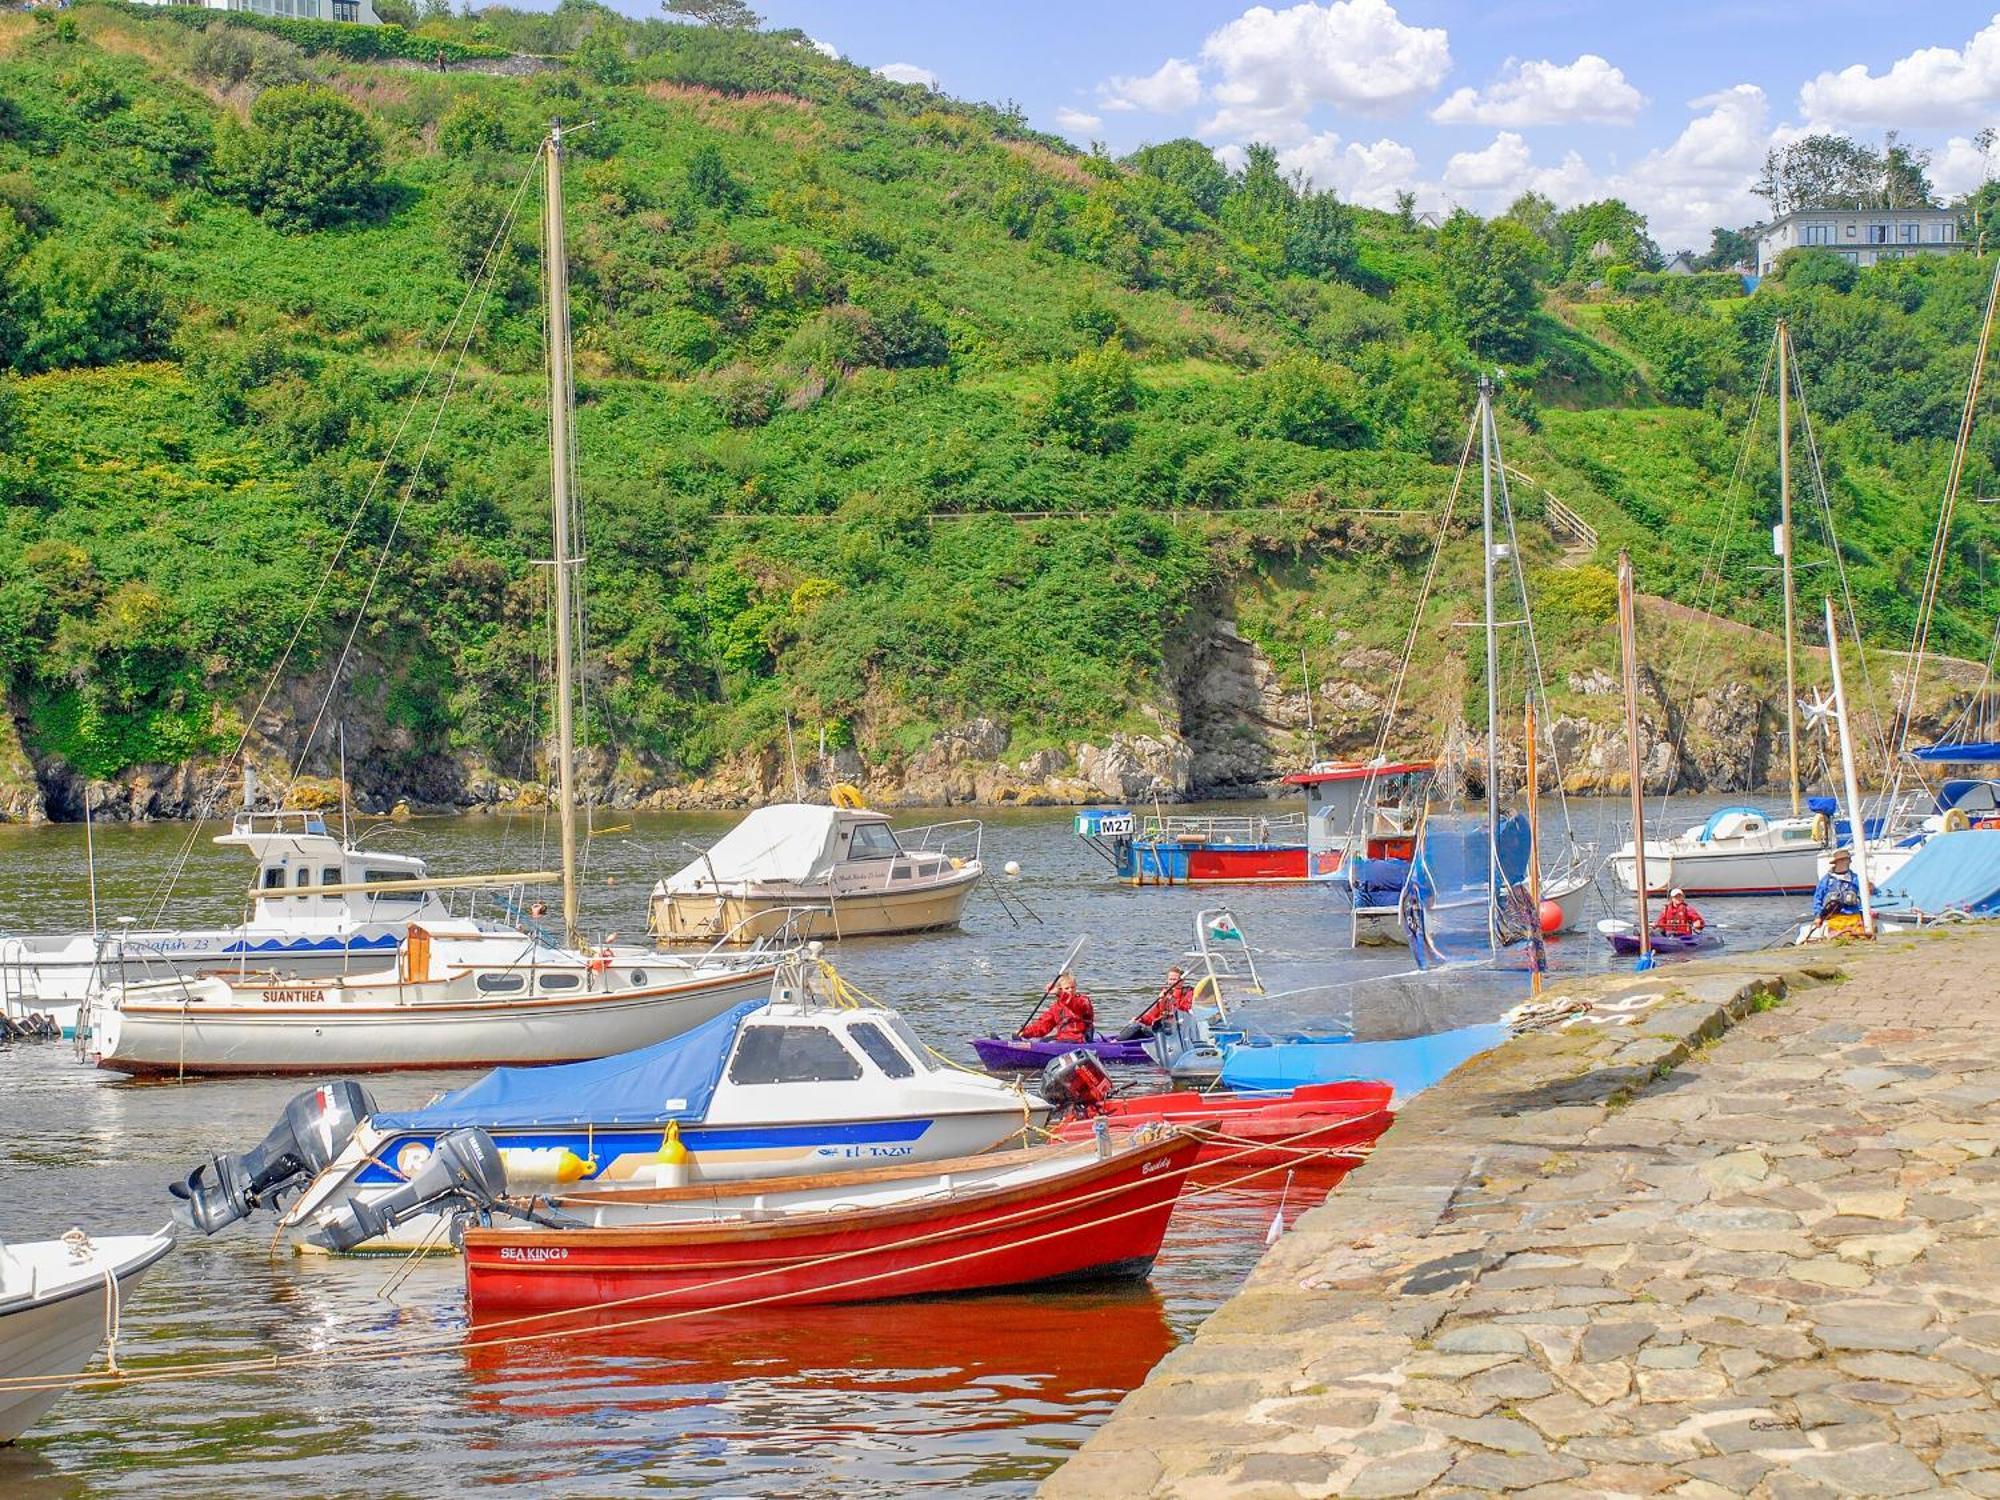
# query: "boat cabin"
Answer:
x=1372 y=804
x=298 y=859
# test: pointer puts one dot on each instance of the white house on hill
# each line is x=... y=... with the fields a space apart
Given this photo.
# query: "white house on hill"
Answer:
x=1860 y=236
x=358 y=12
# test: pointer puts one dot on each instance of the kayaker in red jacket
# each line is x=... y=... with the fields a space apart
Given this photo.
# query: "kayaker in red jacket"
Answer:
x=1068 y=1017
x=1176 y=997
x=1677 y=918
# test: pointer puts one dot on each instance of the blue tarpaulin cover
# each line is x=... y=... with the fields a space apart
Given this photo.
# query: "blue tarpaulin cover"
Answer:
x=670 y=1080
x=1951 y=872
x=1968 y=753
x=1410 y=1065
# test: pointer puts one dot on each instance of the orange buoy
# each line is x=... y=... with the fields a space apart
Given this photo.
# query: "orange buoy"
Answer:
x=1552 y=917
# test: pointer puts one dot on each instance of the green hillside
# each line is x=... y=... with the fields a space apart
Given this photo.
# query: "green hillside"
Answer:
x=891 y=411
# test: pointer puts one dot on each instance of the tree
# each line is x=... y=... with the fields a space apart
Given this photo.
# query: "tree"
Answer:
x=1801 y=268
x=600 y=57
x=1607 y=232
x=709 y=182
x=1188 y=165
x=1906 y=181
x=1488 y=274
x=1319 y=241
x=725 y=15
x=1537 y=214
x=67 y=306
x=1824 y=170
x=1728 y=248
x=307 y=159
x=1087 y=407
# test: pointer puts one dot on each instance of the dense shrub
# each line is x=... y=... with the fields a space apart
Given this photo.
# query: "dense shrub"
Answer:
x=307 y=159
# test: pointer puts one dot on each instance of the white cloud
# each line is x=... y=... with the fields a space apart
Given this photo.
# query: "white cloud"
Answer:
x=1168 y=89
x=1960 y=168
x=824 y=49
x=1490 y=179
x=1545 y=93
x=908 y=73
x=1370 y=175
x=1277 y=65
x=1076 y=122
x=1931 y=86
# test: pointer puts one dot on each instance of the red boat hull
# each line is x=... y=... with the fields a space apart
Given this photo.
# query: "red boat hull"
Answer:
x=1317 y=1126
x=1106 y=1218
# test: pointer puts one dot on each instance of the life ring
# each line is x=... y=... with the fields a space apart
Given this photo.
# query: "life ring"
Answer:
x=1956 y=821
x=847 y=795
x=1822 y=830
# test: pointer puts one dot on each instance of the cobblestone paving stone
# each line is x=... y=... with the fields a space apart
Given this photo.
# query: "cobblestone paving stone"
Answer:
x=1747 y=1245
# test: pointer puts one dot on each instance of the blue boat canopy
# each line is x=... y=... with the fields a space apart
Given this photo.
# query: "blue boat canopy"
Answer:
x=1951 y=872
x=670 y=1080
x=1966 y=753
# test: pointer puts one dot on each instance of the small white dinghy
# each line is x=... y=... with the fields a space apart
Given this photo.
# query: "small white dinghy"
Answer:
x=59 y=1302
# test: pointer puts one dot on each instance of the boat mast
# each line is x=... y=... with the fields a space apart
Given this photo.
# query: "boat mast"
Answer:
x=556 y=275
x=1858 y=834
x=1487 y=443
x=1785 y=559
x=1628 y=651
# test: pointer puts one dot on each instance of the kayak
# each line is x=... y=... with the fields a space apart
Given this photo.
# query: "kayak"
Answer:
x=999 y=1054
x=1315 y=1125
x=1624 y=938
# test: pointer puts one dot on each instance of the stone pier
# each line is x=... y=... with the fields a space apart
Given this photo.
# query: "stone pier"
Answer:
x=1736 y=1234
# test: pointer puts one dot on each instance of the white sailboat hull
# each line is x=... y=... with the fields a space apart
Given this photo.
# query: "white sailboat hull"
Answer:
x=54 y=1312
x=1721 y=872
x=208 y=1028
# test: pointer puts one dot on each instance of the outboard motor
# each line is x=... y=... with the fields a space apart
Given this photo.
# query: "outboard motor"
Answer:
x=315 y=1128
x=1076 y=1081
x=465 y=1172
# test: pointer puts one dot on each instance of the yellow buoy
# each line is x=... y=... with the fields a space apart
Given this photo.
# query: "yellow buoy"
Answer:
x=846 y=794
x=673 y=1160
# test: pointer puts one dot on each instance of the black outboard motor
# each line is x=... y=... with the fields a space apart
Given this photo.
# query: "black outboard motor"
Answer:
x=465 y=1172
x=315 y=1128
x=1076 y=1081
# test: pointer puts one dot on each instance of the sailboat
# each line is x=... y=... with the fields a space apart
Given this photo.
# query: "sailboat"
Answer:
x=1745 y=851
x=1420 y=872
x=459 y=993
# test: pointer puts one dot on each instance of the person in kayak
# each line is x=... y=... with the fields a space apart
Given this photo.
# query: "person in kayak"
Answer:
x=1838 y=891
x=1176 y=996
x=1677 y=919
x=1068 y=1017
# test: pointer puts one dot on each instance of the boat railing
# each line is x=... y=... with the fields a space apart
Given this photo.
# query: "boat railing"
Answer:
x=1224 y=828
x=287 y=821
x=788 y=936
x=960 y=839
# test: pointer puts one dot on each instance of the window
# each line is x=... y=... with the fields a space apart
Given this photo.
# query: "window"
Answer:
x=560 y=982
x=791 y=1054
x=873 y=841
x=376 y=877
x=1907 y=233
x=1819 y=234
x=500 y=984
x=274 y=879
x=330 y=875
x=1941 y=233
x=1878 y=234
x=302 y=878
x=347 y=10
x=881 y=1051
x=900 y=1029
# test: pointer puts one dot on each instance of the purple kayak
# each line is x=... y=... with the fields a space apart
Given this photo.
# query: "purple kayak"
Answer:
x=1626 y=940
x=999 y=1054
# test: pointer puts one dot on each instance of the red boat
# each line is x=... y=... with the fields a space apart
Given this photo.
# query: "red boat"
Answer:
x=1314 y=1125
x=1012 y=1219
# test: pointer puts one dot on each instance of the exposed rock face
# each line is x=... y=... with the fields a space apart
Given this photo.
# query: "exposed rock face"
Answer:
x=1136 y=768
x=1236 y=717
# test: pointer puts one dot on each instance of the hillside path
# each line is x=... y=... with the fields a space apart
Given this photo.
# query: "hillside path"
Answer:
x=1767 y=1265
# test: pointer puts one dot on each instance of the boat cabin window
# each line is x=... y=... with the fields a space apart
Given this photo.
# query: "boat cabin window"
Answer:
x=881 y=1051
x=374 y=877
x=330 y=875
x=274 y=879
x=901 y=1030
x=791 y=1054
x=873 y=841
x=560 y=982
x=500 y=984
x=302 y=878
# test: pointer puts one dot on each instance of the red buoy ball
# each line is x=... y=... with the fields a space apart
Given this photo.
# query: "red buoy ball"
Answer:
x=1552 y=917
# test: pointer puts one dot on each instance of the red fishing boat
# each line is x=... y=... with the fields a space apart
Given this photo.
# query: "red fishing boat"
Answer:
x=1061 y=1213
x=1320 y=1125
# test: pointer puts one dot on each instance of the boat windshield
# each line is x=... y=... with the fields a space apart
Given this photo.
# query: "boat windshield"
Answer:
x=901 y=1029
x=873 y=841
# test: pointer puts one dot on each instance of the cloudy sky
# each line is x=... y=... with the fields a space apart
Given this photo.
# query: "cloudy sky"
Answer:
x=1670 y=104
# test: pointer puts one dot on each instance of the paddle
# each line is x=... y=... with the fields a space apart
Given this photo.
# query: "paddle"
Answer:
x=1069 y=959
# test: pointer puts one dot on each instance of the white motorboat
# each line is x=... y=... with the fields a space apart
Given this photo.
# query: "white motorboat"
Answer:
x=59 y=1299
x=832 y=872
x=457 y=996
x=1739 y=851
x=319 y=906
x=807 y=1083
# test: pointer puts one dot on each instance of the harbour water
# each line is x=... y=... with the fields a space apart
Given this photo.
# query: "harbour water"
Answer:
x=975 y=1397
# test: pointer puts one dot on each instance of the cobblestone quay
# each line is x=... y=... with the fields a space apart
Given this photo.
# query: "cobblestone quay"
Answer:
x=1746 y=1243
